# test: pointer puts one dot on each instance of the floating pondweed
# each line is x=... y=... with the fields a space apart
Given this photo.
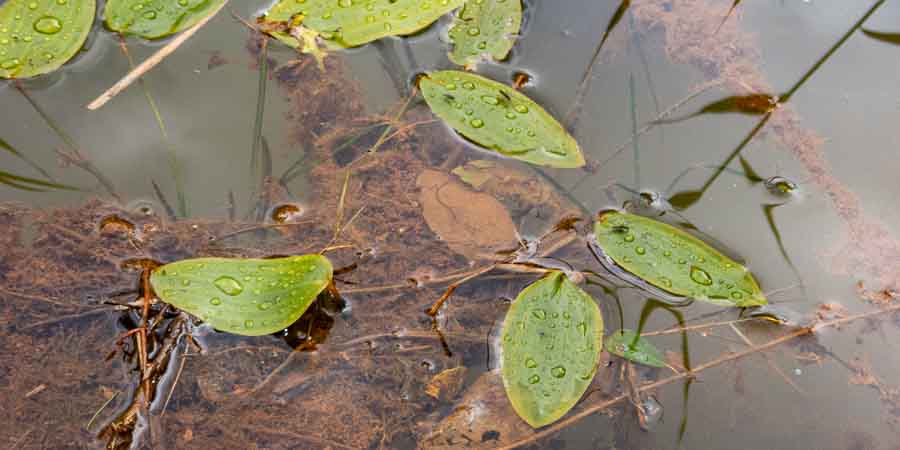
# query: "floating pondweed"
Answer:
x=484 y=30
x=672 y=260
x=39 y=37
x=551 y=342
x=154 y=19
x=499 y=118
x=250 y=297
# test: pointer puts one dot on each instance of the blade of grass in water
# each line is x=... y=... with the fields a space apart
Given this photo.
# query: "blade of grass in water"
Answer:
x=784 y=98
x=31 y=184
x=768 y=211
x=634 y=138
x=571 y=121
x=265 y=175
x=734 y=5
x=9 y=148
x=75 y=156
x=173 y=154
x=263 y=65
x=162 y=200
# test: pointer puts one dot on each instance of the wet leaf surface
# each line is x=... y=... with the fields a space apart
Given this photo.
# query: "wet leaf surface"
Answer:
x=673 y=260
x=552 y=337
x=497 y=117
x=628 y=345
x=485 y=30
x=39 y=36
x=250 y=297
x=352 y=23
x=471 y=223
x=154 y=19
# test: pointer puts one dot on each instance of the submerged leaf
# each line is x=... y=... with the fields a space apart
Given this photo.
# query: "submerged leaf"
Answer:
x=752 y=104
x=890 y=38
x=685 y=199
x=499 y=118
x=485 y=30
x=672 y=260
x=350 y=23
x=154 y=19
x=250 y=297
x=39 y=36
x=749 y=173
x=552 y=337
x=473 y=224
x=627 y=344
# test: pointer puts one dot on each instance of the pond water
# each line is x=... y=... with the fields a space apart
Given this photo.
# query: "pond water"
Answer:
x=369 y=370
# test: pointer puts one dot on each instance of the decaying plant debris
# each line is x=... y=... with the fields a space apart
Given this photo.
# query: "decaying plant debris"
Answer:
x=364 y=371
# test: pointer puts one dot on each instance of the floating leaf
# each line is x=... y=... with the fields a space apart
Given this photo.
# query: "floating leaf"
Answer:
x=153 y=19
x=552 y=337
x=499 y=118
x=672 y=260
x=471 y=223
x=39 y=36
x=622 y=343
x=250 y=297
x=350 y=23
x=484 y=30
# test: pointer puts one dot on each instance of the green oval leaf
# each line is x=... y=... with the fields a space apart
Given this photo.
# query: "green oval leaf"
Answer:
x=622 y=344
x=350 y=23
x=39 y=36
x=672 y=260
x=153 y=19
x=484 y=30
x=551 y=342
x=250 y=297
x=499 y=118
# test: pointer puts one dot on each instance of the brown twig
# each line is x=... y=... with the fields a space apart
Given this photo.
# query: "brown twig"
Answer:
x=769 y=361
x=433 y=310
x=151 y=62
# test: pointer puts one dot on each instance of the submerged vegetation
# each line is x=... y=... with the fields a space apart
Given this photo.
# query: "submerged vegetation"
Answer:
x=303 y=323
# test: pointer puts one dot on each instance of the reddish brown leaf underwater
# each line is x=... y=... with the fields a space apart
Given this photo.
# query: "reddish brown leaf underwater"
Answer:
x=472 y=224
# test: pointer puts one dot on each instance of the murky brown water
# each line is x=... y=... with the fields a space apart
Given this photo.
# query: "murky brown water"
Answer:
x=379 y=376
